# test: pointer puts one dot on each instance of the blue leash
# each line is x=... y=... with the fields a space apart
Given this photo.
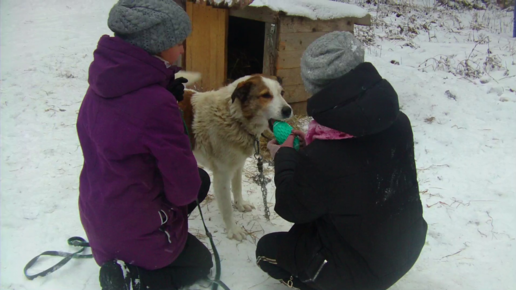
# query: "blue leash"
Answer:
x=83 y=244
x=73 y=241
x=216 y=282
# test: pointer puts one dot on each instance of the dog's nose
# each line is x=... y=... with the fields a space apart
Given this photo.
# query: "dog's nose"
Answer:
x=286 y=112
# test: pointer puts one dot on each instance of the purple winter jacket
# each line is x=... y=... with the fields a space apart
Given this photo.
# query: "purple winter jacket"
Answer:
x=139 y=172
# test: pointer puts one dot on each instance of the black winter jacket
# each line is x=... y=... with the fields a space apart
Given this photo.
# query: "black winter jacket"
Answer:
x=354 y=201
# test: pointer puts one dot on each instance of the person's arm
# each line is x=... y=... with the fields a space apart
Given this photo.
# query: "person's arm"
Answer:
x=298 y=200
x=165 y=137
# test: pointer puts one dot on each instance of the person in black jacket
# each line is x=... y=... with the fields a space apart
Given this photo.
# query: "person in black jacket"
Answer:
x=352 y=190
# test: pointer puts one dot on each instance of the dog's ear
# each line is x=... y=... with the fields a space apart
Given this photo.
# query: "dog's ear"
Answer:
x=242 y=91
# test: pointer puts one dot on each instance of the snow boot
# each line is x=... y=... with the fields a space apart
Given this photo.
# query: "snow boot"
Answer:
x=116 y=275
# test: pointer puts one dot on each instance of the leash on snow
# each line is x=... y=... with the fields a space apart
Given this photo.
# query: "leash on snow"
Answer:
x=73 y=241
x=83 y=244
x=218 y=268
x=261 y=178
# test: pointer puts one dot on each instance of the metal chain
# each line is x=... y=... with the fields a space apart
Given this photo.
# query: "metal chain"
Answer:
x=261 y=177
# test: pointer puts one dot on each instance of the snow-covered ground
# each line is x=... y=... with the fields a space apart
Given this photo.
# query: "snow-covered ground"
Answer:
x=454 y=71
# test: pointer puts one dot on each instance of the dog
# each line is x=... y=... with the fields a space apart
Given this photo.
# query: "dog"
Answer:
x=223 y=126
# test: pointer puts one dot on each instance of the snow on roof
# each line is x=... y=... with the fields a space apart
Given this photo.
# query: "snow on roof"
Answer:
x=313 y=9
x=225 y=3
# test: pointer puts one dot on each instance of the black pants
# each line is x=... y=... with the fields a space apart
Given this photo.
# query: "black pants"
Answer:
x=192 y=264
x=266 y=254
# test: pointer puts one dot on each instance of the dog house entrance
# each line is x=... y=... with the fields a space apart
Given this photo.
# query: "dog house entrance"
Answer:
x=245 y=47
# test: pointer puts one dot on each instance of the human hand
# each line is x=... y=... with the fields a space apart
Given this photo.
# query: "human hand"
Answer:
x=301 y=136
x=273 y=145
x=177 y=88
x=289 y=142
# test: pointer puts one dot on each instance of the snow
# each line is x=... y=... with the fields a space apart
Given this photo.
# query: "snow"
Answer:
x=463 y=124
x=313 y=9
x=224 y=3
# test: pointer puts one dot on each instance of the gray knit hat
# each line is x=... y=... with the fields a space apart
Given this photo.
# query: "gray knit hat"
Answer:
x=154 y=25
x=329 y=57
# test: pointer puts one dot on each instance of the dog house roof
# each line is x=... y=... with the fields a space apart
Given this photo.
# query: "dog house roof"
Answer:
x=313 y=9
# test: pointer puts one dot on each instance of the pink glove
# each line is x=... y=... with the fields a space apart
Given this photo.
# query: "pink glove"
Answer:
x=273 y=145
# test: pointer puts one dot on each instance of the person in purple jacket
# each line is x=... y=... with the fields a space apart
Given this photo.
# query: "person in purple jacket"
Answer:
x=140 y=180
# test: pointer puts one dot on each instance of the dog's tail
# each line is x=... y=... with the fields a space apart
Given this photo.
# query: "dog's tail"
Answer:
x=191 y=76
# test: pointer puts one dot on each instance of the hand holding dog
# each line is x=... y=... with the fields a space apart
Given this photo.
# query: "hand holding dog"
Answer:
x=177 y=88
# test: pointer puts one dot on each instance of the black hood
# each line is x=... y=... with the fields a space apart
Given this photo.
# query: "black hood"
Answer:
x=359 y=103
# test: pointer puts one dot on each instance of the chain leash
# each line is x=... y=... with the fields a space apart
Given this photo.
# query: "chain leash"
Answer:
x=261 y=176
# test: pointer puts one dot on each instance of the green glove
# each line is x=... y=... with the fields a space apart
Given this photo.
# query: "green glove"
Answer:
x=281 y=131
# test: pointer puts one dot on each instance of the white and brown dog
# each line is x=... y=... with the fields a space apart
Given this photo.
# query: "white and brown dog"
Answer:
x=223 y=126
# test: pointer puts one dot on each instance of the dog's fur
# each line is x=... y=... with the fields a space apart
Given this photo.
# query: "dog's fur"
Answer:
x=223 y=126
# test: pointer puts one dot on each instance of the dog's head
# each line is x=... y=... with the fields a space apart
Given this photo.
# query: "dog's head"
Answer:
x=262 y=98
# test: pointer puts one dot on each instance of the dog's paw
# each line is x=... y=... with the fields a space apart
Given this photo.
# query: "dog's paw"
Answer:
x=236 y=232
x=244 y=206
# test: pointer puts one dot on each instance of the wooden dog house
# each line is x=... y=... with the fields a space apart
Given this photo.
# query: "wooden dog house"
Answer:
x=233 y=38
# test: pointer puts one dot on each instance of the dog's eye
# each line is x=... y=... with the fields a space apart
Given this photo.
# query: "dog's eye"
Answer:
x=267 y=96
x=282 y=93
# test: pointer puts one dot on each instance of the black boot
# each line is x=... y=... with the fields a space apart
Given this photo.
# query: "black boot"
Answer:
x=116 y=275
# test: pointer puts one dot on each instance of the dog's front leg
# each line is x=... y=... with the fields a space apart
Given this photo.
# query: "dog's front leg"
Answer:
x=236 y=187
x=221 y=181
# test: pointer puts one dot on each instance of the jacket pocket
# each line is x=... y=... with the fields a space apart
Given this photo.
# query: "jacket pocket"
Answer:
x=313 y=269
x=164 y=219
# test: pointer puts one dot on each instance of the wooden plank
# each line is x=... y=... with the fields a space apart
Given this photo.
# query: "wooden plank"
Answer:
x=291 y=47
x=300 y=24
x=289 y=59
x=206 y=46
x=270 y=49
x=290 y=76
x=262 y=14
x=297 y=41
x=295 y=94
x=299 y=109
x=218 y=45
